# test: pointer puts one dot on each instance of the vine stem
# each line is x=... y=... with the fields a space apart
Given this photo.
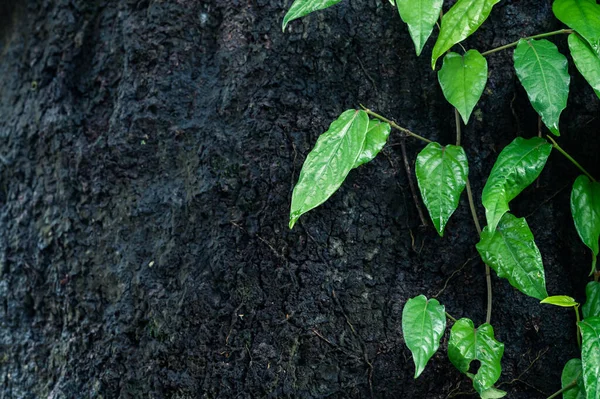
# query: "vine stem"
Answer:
x=450 y=317
x=577 y=326
x=570 y=158
x=572 y=384
x=488 y=277
x=540 y=36
x=394 y=125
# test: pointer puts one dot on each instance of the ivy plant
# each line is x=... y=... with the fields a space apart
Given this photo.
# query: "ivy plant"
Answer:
x=506 y=244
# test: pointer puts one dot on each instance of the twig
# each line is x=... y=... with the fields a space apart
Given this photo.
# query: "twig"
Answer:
x=411 y=184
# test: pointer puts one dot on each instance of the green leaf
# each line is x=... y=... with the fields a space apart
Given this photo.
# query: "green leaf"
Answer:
x=591 y=308
x=590 y=355
x=467 y=344
x=560 y=300
x=511 y=251
x=517 y=166
x=423 y=324
x=493 y=393
x=377 y=135
x=571 y=372
x=585 y=208
x=300 y=8
x=586 y=61
x=442 y=175
x=464 y=18
x=463 y=79
x=543 y=73
x=581 y=15
x=420 y=16
x=329 y=162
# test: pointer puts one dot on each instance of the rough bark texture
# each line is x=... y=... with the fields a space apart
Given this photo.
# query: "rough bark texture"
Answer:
x=148 y=152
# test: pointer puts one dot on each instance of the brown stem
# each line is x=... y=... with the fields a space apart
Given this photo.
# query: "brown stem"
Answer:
x=411 y=184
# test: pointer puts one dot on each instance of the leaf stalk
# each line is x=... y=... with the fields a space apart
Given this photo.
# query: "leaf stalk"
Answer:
x=539 y=36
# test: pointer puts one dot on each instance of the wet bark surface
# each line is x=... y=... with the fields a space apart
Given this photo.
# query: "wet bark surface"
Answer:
x=148 y=153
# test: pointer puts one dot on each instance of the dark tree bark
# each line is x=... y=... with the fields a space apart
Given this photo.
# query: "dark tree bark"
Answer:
x=147 y=154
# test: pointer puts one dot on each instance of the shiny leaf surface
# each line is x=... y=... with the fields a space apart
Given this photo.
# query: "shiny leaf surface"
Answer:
x=585 y=208
x=591 y=307
x=420 y=16
x=377 y=135
x=423 y=324
x=517 y=166
x=301 y=8
x=571 y=372
x=464 y=18
x=583 y=16
x=586 y=61
x=442 y=175
x=590 y=355
x=560 y=300
x=462 y=79
x=329 y=162
x=468 y=343
x=543 y=73
x=511 y=251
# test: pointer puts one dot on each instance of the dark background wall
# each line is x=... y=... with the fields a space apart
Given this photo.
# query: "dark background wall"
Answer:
x=147 y=154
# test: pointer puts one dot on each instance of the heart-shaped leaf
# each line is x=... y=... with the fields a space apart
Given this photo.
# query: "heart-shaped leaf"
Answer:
x=571 y=372
x=560 y=300
x=581 y=15
x=464 y=18
x=329 y=162
x=468 y=343
x=511 y=251
x=517 y=166
x=442 y=175
x=377 y=135
x=591 y=307
x=300 y=8
x=420 y=16
x=585 y=208
x=543 y=73
x=423 y=324
x=590 y=355
x=586 y=61
x=463 y=79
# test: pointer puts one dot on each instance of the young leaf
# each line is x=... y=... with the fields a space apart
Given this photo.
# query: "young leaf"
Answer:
x=329 y=162
x=492 y=393
x=377 y=135
x=560 y=300
x=543 y=73
x=585 y=208
x=586 y=61
x=590 y=355
x=463 y=79
x=300 y=8
x=420 y=16
x=571 y=372
x=591 y=308
x=517 y=166
x=468 y=343
x=581 y=15
x=442 y=175
x=464 y=18
x=511 y=251
x=423 y=324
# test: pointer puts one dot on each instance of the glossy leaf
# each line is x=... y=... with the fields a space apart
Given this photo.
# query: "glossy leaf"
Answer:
x=583 y=16
x=442 y=175
x=585 y=208
x=329 y=162
x=591 y=307
x=511 y=251
x=464 y=18
x=420 y=16
x=423 y=324
x=590 y=355
x=463 y=79
x=492 y=393
x=377 y=135
x=517 y=166
x=571 y=372
x=560 y=300
x=543 y=73
x=468 y=343
x=586 y=61
x=301 y=8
